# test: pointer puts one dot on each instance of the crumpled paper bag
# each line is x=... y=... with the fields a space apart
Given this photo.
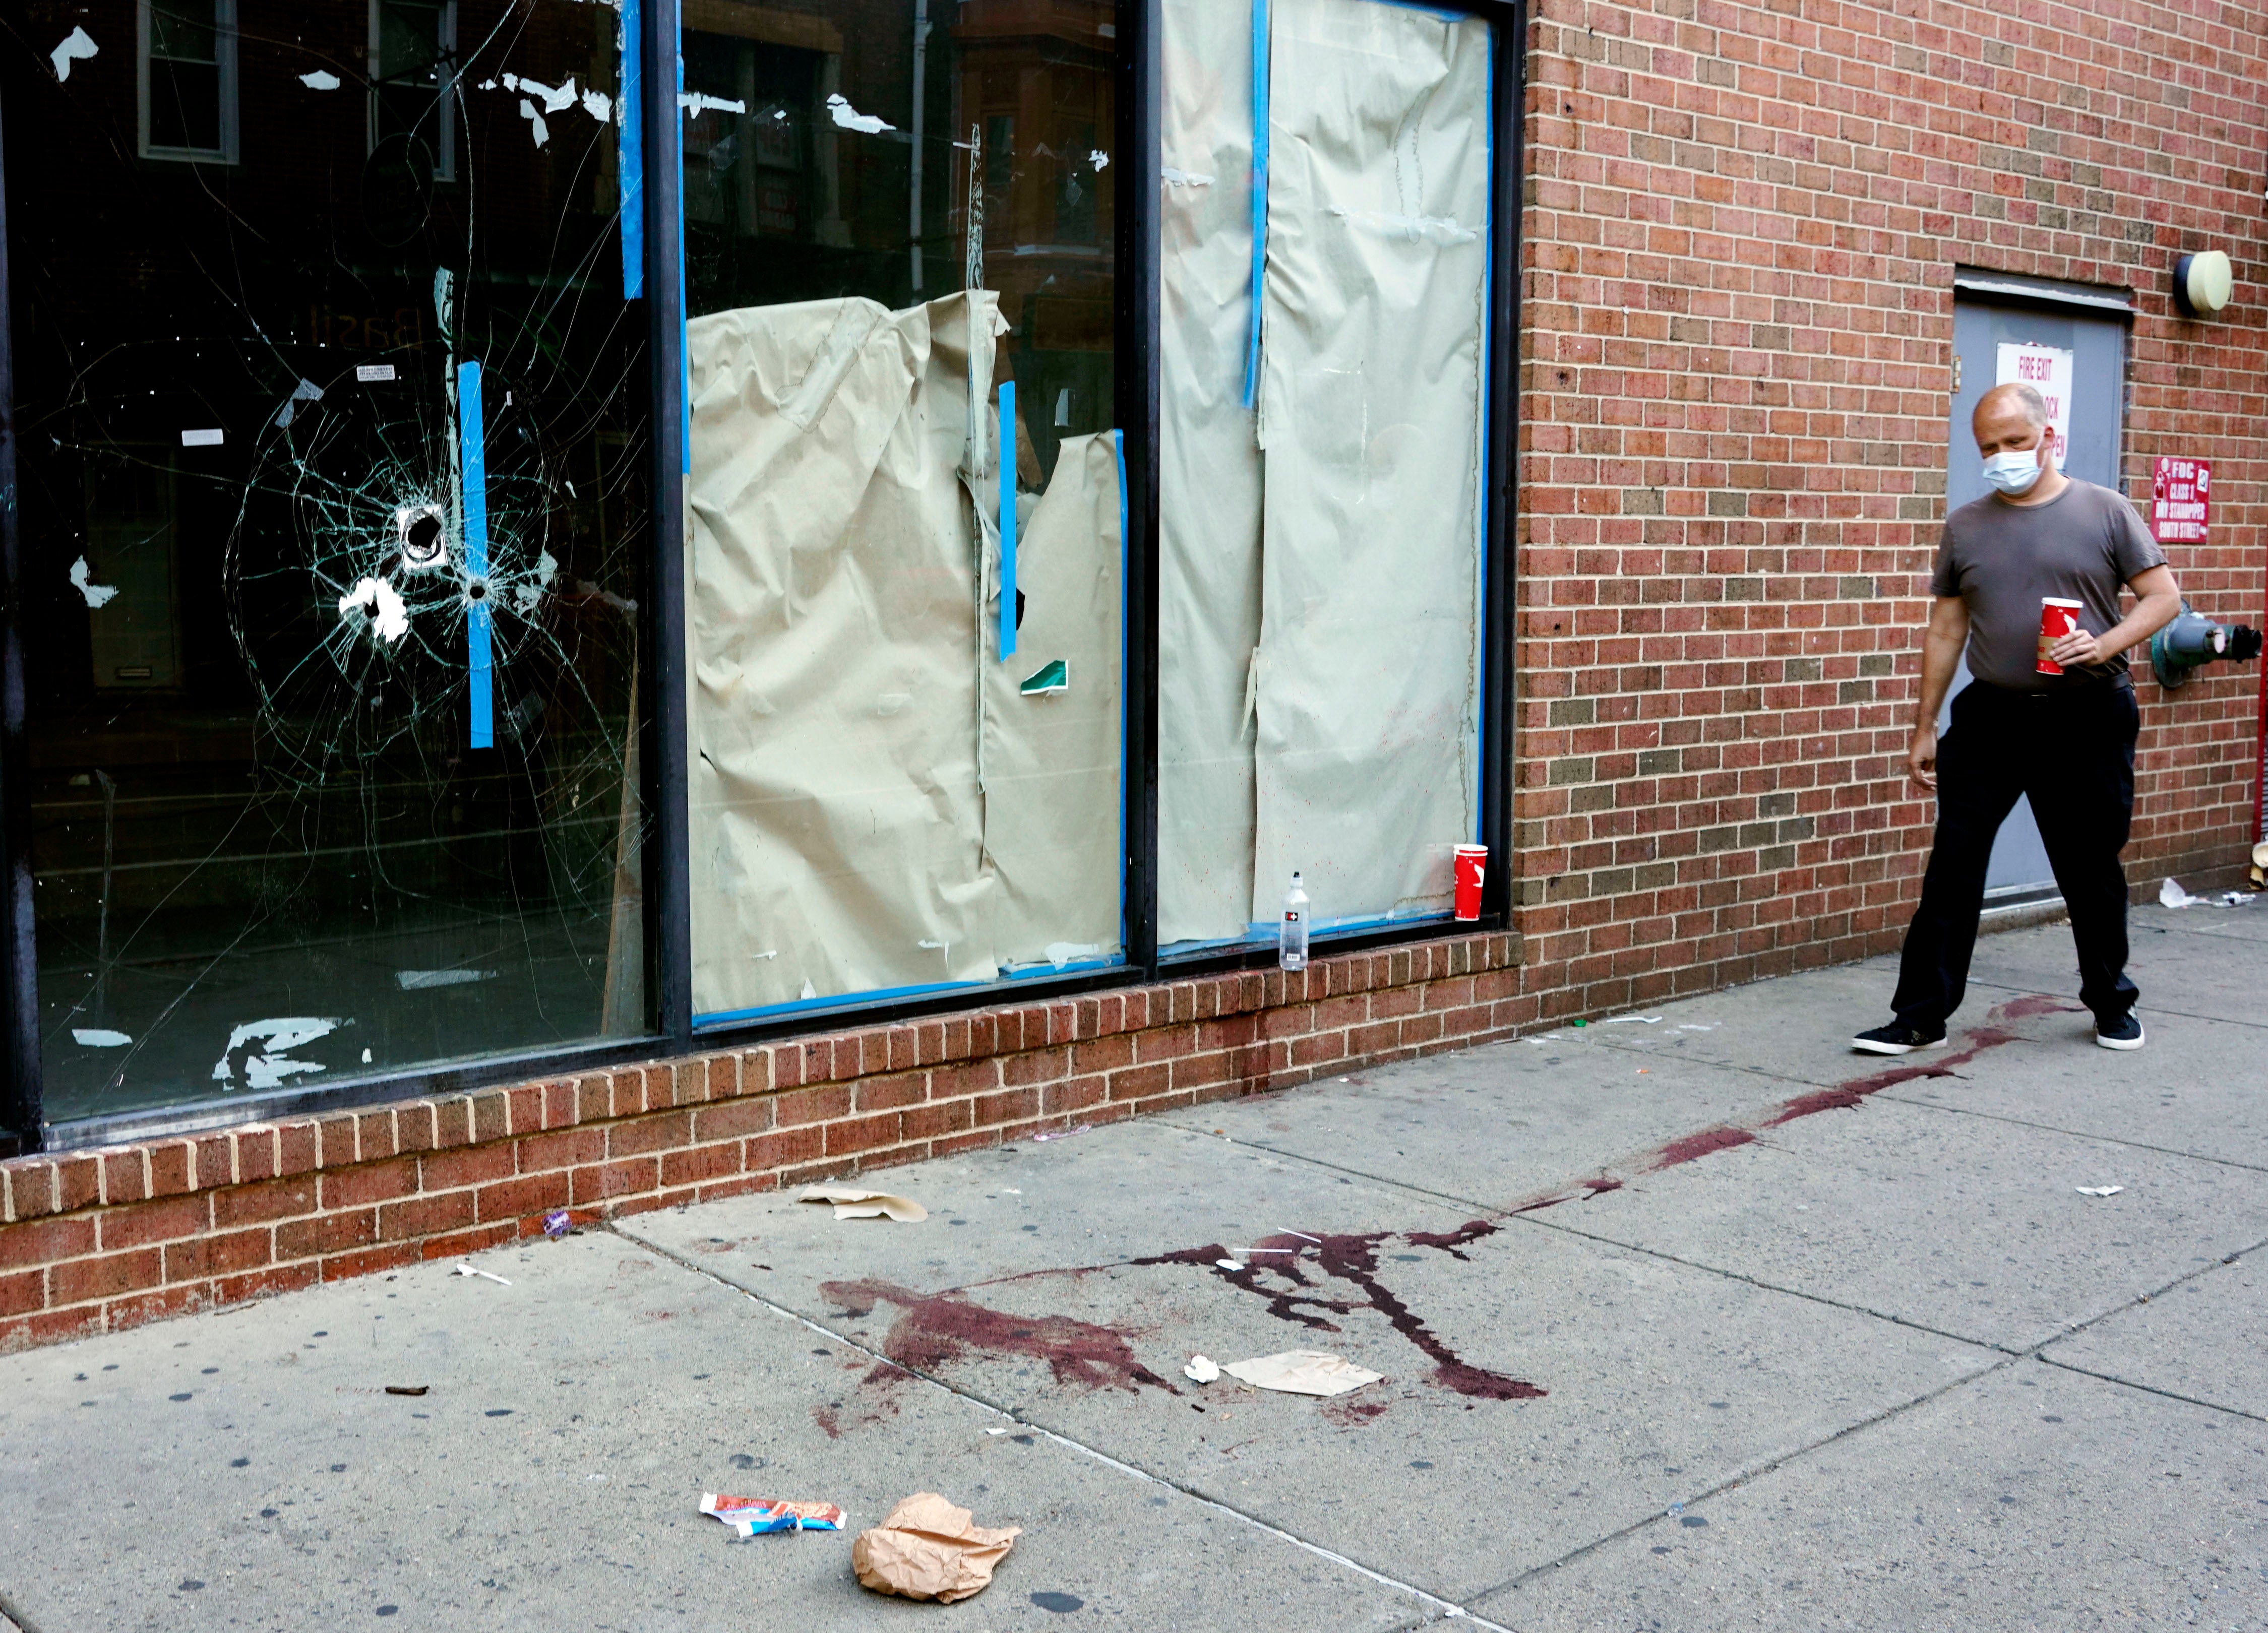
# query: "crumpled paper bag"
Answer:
x=852 y=1204
x=927 y=1548
x=1302 y=1371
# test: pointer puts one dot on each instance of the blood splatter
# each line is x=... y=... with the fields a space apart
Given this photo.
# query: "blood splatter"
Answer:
x=1695 y=1146
x=938 y=1329
x=824 y=1416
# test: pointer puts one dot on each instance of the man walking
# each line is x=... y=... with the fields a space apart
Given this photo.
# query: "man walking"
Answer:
x=2066 y=741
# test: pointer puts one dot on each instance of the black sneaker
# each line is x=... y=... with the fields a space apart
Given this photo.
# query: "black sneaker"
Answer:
x=2126 y=1032
x=1896 y=1039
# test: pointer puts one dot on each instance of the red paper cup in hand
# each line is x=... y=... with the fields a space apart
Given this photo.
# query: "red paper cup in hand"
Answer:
x=1472 y=867
x=2057 y=619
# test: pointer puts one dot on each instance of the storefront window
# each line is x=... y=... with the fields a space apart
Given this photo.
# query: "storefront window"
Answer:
x=332 y=473
x=905 y=570
x=1326 y=243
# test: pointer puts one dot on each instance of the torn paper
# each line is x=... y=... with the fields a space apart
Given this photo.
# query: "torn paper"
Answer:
x=1100 y=159
x=206 y=437
x=849 y=118
x=598 y=106
x=76 y=47
x=305 y=391
x=1201 y=1370
x=322 y=79
x=469 y=1269
x=927 y=1548
x=419 y=980
x=389 y=615
x=267 y=1068
x=1633 y=1021
x=1184 y=178
x=761 y=1516
x=2101 y=1190
x=1409 y=229
x=2170 y=894
x=697 y=103
x=97 y=594
x=1302 y=1371
x=851 y=1203
x=528 y=111
x=99 y=1038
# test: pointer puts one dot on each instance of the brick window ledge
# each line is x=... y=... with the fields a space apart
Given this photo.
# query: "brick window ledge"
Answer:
x=99 y=1241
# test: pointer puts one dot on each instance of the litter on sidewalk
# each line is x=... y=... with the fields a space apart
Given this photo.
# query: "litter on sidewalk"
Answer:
x=1201 y=1370
x=406 y=1388
x=927 y=1548
x=466 y=1270
x=2170 y=894
x=1062 y=1134
x=2101 y=1190
x=1302 y=1371
x=851 y=1203
x=557 y=1224
x=761 y=1516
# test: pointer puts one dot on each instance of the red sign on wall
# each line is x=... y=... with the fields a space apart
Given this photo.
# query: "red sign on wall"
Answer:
x=2181 y=500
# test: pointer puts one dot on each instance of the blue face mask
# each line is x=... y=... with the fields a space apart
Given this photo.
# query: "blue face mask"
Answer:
x=2016 y=471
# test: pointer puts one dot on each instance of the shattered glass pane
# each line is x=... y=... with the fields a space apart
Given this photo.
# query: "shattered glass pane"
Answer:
x=906 y=565
x=335 y=517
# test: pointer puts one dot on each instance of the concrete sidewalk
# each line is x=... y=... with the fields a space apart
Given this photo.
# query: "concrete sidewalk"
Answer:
x=1700 y=1323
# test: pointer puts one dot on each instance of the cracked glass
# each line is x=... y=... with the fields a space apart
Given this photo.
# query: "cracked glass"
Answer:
x=333 y=436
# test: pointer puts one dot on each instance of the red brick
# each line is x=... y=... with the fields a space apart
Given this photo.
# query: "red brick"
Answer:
x=203 y=1257
x=872 y=1094
x=1140 y=1081
x=927 y=1123
x=326 y=1233
x=787 y=1146
x=338 y=1137
x=300 y=1147
x=374 y=1135
x=256 y=1204
x=524 y=1197
x=125 y=1176
x=369 y=1260
x=608 y=1181
x=565 y=1148
x=369 y=1183
x=139 y=1309
x=23 y=1291
x=524 y=1108
x=471 y=1165
x=732 y=1120
x=285 y=1279
x=853 y=1135
x=84 y=1281
x=1009 y=1107
x=1040 y=1066
x=822 y=1104
x=698 y=1164
x=49 y=1326
x=492 y=1117
x=78 y=1182
x=415 y=1128
x=170 y=1168
x=425 y=1216
x=974 y=1077
x=664 y=1132
x=43 y=1242
x=155 y=1222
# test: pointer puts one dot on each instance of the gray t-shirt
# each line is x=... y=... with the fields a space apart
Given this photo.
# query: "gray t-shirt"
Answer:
x=2004 y=559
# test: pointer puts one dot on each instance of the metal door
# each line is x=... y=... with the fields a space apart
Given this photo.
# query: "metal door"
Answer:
x=1991 y=344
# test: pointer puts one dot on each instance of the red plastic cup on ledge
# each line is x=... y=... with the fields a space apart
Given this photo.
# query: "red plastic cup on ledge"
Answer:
x=2057 y=619
x=1472 y=868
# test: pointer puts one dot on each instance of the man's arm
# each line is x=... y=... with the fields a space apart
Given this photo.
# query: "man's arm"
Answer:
x=2157 y=603
x=1941 y=655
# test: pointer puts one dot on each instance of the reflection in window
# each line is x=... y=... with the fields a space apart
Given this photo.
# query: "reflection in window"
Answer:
x=412 y=57
x=334 y=522
x=1321 y=461
x=188 y=73
x=908 y=503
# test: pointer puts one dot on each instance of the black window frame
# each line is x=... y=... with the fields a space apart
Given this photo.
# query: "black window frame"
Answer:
x=664 y=727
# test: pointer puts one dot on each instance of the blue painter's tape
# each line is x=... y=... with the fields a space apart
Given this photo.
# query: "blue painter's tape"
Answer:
x=479 y=663
x=630 y=152
x=1260 y=73
x=684 y=305
x=1007 y=520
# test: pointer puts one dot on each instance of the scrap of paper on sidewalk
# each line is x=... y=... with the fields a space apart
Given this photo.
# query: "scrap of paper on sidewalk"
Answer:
x=1302 y=1371
x=2101 y=1190
x=927 y=1548
x=851 y=1203
x=1201 y=1370
x=762 y=1516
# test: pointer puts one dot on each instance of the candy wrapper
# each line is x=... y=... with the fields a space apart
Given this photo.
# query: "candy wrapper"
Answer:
x=753 y=1515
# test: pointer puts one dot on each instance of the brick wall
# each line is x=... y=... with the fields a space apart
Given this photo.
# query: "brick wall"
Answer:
x=1741 y=227
x=99 y=1240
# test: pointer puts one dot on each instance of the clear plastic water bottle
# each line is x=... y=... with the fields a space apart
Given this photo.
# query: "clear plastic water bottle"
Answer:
x=1291 y=932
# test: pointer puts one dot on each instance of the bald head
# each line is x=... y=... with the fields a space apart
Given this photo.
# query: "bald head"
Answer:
x=2010 y=417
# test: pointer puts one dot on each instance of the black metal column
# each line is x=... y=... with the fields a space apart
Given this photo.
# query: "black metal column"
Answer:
x=669 y=873
x=1141 y=271
x=1499 y=608
x=20 y=1000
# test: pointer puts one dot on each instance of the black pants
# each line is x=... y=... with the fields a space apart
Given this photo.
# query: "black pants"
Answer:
x=2073 y=752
